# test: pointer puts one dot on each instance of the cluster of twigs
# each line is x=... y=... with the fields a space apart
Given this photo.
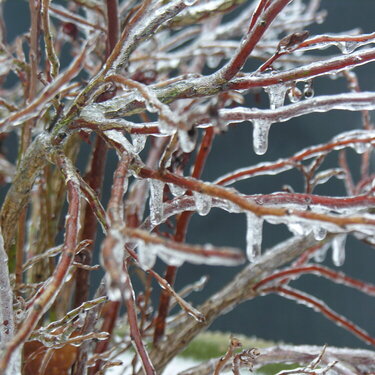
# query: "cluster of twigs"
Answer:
x=138 y=82
x=316 y=362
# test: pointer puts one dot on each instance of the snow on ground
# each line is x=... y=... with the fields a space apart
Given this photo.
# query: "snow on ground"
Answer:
x=177 y=365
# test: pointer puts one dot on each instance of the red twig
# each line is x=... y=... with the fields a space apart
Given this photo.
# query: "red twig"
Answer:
x=289 y=163
x=251 y=39
x=242 y=202
x=321 y=307
x=180 y=235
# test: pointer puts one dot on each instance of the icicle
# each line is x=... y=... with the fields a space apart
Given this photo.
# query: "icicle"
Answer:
x=156 y=201
x=203 y=203
x=176 y=190
x=338 y=250
x=276 y=94
x=261 y=128
x=187 y=140
x=320 y=254
x=319 y=233
x=253 y=236
x=146 y=255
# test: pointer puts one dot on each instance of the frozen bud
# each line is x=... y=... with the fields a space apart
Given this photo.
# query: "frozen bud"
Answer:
x=294 y=94
x=70 y=29
x=292 y=41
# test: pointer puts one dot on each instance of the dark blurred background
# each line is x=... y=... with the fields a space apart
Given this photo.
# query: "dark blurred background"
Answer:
x=273 y=317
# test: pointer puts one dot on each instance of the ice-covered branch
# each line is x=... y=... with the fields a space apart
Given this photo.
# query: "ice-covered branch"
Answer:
x=321 y=307
x=349 y=360
x=175 y=253
x=347 y=102
x=357 y=139
x=46 y=298
x=237 y=291
x=335 y=276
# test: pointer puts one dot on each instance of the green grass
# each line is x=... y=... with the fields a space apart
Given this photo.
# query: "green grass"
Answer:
x=210 y=345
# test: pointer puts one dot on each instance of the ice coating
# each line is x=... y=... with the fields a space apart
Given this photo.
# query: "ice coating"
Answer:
x=189 y=2
x=348 y=46
x=187 y=142
x=146 y=255
x=254 y=226
x=139 y=142
x=299 y=228
x=156 y=201
x=324 y=103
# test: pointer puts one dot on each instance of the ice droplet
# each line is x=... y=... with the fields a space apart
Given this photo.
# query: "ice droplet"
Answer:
x=276 y=94
x=261 y=128
x=253 y=236
x=338 y=250
x=146 y=255
x=203 y=203
x=176 y=190
x=308 y=91
x=187 y=140
x=156 y=201
x=319 y=233
x=361 y=147
x=347 y=47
